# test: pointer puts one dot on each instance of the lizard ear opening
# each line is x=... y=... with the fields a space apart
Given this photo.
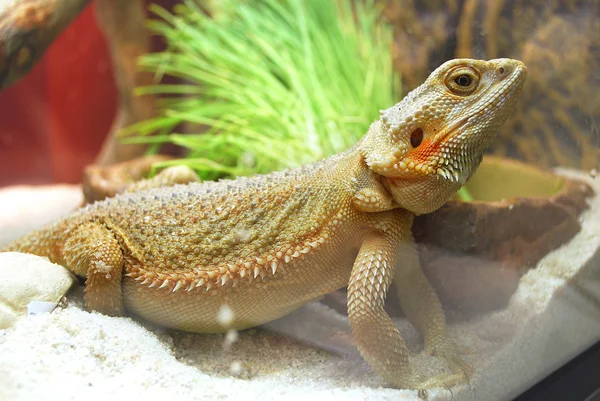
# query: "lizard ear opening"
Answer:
x=416 y=137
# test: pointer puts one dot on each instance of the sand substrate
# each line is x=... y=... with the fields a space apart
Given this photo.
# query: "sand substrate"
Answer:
x=71 y=354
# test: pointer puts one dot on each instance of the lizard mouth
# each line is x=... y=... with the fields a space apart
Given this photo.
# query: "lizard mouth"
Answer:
x=453 y=127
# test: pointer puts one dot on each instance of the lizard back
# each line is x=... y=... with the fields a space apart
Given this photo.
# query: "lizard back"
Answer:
x=210 y=233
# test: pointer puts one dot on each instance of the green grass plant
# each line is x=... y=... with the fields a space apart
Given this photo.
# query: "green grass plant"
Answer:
x=267 y=84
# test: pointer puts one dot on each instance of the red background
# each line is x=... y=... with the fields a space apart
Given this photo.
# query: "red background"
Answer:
x=53 y=122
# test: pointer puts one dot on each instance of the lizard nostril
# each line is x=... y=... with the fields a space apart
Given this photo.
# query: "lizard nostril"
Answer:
x=503 y=70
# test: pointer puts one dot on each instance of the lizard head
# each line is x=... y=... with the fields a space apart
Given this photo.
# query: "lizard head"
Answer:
x=428 y=145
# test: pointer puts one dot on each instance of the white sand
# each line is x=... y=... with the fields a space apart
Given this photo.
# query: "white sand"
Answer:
x=73 y=354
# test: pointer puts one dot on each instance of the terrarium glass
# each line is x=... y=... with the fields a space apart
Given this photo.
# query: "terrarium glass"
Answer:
x=98 y=95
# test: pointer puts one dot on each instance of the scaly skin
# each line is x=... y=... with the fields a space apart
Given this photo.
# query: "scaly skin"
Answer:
x=268 y=244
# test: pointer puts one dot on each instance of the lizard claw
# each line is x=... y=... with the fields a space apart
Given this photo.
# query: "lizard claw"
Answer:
x=447 y=350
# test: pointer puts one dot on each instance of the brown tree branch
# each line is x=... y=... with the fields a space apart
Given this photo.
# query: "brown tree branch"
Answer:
x=123 y=24
x=27 y=28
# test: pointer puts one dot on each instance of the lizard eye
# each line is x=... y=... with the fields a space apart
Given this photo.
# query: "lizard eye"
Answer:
x=462 y=81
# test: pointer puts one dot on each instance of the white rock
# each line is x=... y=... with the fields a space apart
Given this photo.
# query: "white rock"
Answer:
x=28 y=278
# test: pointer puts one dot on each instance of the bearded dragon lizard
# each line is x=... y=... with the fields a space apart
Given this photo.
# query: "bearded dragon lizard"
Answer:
x=265 y=245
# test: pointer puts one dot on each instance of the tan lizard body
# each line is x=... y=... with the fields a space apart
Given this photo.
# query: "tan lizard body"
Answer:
x=265 y=245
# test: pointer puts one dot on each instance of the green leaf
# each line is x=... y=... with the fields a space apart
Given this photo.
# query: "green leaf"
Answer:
x=277 y=82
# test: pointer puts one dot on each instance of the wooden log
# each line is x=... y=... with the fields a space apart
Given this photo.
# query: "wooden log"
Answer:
x=27 y=28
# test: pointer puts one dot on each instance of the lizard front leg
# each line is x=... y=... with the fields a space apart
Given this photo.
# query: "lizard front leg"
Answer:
x=92 y=251
x=374 y=333
x=376 y=336
x=423 y=309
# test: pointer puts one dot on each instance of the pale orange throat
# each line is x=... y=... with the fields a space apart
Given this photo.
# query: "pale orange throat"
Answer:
x=423 y=154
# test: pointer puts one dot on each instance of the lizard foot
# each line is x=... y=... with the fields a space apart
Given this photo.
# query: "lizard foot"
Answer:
x=447 y=350
x=445 y=380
